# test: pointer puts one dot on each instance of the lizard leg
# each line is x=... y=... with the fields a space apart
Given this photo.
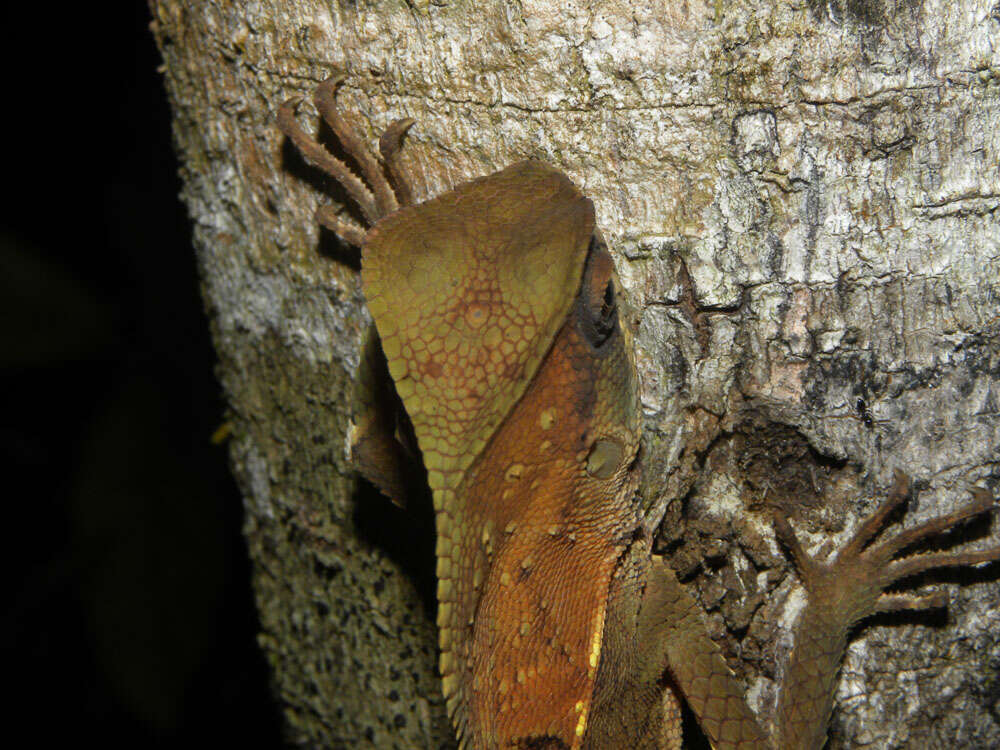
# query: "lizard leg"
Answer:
x=383 y=448
x=844 y=591
x=634 y=706
x=672 y=635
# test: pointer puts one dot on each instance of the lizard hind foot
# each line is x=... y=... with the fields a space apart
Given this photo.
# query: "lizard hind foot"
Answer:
x=375 y=194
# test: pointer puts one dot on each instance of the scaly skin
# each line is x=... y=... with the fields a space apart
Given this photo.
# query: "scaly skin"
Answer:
x=495 y=304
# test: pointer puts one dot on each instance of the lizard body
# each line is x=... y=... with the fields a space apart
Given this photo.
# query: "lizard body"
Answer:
x=496 y=306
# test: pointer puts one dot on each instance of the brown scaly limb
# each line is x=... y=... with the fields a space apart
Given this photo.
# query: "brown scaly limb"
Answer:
x=376 y=199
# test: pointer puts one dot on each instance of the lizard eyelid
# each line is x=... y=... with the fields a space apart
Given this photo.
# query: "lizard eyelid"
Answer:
x=598 y=311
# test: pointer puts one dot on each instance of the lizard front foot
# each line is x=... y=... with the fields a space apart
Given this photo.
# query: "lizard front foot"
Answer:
x=856 y=579
x=849 y=587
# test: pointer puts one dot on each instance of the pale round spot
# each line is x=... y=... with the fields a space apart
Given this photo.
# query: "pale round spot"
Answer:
x=547 y=418
x=514 y=472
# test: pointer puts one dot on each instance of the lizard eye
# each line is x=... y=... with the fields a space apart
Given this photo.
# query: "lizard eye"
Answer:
x=599 y=313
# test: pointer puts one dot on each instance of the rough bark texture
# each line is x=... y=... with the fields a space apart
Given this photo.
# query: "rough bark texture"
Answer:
x=802 y=198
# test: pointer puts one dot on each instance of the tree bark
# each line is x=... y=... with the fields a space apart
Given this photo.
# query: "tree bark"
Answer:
x=802 y=201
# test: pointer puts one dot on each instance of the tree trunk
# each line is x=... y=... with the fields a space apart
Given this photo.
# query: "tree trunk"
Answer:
x=802 y=201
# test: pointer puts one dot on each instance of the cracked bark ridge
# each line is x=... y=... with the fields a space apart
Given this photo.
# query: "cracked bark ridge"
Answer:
x=803 y=199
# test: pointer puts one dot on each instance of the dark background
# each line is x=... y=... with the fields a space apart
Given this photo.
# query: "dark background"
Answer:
x=129 y=618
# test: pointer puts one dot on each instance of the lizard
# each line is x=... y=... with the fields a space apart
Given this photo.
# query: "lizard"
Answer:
x=499 y=312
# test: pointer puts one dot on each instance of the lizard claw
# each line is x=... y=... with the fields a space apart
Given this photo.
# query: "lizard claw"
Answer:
x=389 y=146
